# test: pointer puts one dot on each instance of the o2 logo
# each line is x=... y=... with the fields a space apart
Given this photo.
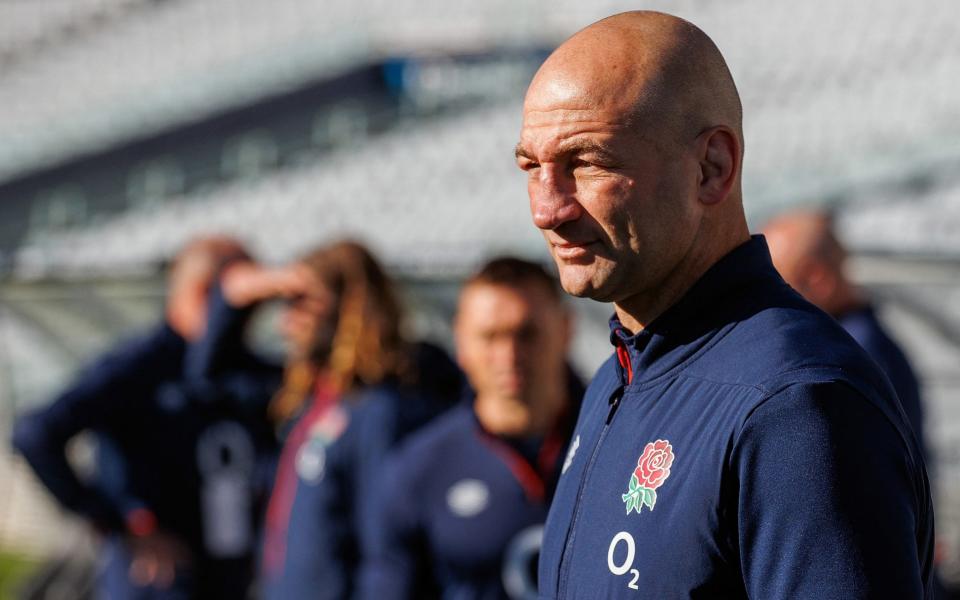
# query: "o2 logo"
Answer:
x=624 y=566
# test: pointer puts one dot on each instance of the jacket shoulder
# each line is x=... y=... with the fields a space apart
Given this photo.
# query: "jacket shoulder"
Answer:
x=788 y=342
x=432 y=442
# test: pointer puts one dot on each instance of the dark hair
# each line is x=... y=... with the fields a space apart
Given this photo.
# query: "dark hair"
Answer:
x=366 y=346
x=510 y=271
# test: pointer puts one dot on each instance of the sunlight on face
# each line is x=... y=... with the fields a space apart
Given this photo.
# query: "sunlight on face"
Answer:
x=510 y=339
x=612 y=204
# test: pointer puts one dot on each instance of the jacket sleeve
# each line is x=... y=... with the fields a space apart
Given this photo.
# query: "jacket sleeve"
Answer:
x=832 y=502
x=98 y=398
x=319 y=556
x=221 y=348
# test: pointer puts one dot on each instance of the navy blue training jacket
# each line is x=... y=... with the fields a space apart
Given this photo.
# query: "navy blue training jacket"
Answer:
x=746 y=447
x=191 y=451
x=315 y=553
x=459 y=513
x=107 y=396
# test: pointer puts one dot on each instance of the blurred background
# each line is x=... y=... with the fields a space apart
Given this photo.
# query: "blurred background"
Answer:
x=130 y=126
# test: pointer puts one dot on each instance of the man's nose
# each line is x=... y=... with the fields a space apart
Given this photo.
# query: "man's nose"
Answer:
x=553 y=198
x=510 y=353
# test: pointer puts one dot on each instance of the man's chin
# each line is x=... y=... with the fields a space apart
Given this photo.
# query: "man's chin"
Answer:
x=577 y=283
x=594 y=281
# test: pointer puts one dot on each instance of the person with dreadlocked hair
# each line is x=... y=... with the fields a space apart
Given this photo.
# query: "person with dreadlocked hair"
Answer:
x=353 y=386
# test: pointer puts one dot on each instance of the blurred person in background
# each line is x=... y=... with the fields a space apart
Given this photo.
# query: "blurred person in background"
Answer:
x=459 y=511
x=353 y=387
x=177 y=490
x=810 y=258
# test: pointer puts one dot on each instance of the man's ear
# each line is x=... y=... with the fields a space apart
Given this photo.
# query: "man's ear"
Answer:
x=720 y=157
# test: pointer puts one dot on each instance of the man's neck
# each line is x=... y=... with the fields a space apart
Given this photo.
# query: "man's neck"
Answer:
x=641 y=309
x=510 y=417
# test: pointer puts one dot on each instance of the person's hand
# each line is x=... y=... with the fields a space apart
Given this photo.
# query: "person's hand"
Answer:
x=155 y=559
x=247 y=283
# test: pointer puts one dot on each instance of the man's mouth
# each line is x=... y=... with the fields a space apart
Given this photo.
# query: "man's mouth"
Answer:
x=572 y=250
x=512 y=379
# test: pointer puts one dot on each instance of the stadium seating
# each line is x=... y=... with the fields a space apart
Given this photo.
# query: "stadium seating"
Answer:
x=836 y=97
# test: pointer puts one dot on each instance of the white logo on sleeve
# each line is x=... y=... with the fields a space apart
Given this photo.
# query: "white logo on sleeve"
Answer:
x=570 y=454
x=468 y=497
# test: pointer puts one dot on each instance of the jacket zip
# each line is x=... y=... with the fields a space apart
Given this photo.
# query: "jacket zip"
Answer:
x=614 y=402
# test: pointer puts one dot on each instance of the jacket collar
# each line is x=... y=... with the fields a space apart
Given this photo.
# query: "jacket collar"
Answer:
x=725 y=293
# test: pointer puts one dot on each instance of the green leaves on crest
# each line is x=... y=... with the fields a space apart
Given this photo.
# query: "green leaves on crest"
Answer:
x=638 y=496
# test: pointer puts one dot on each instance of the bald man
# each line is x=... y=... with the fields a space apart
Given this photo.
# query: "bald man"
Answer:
x=811 y=259
x=737 y=444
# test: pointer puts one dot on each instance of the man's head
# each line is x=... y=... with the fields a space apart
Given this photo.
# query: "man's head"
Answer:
x=632 y=140
x=512 y=333
x=192 y=273
x=348 y=319
x=343 y=325
x=811 y=259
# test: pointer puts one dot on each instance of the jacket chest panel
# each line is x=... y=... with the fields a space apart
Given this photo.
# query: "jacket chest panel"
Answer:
x=486 y=509
x=649 y=511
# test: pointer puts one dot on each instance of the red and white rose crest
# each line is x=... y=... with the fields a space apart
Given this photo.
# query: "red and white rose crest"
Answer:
x=653 y=468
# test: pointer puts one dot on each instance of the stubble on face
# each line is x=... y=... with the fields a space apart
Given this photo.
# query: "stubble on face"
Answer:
x=624 y=232
x=601 y=190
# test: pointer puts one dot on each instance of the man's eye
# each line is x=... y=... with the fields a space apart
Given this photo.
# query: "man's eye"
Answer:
x=582 y=165
x=529 y=165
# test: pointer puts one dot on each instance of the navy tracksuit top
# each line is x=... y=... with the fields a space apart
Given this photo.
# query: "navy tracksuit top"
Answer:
x=459 y=513
x=746 y=447
x=195 y=451
x=330 y=464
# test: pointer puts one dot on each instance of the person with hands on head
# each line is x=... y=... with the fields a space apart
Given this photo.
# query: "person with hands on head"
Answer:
x=465 y=498
x=737 y=443
x=242 y=286
x=353 y=387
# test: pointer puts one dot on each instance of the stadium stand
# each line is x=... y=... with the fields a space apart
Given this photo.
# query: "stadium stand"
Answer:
x=812 y=85
x=381 y=192
x=919 y=220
